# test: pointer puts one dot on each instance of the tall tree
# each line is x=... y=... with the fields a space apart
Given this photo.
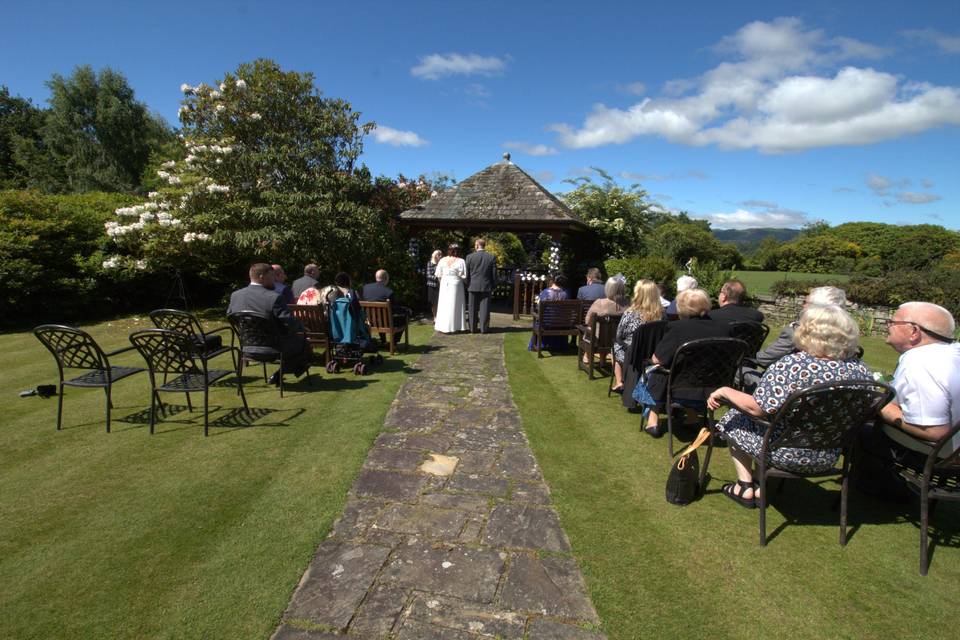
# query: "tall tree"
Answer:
x=20 y=124
x=97 y=136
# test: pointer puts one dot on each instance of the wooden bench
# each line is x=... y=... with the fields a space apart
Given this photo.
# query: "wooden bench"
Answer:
x=556 y=318
x=380 y=320
x=314 y=319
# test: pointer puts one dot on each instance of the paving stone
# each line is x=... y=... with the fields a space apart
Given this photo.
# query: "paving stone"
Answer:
x=482 y=619
x=386 y=458
x=378 y=613
x=440 y=465
x=384 y=538
x=414 y=630
x=423 y=521
x=388 y=485
x=471 y=530
x=357 y=516
x=476 y=461
x=518 y=462
x=461 y=572
x=473 y=504
x=534 y=493
x=286 y=632
x=550 y=586
x=525 y=526
x=335 y=582
x=546 y=629
x=475 y=483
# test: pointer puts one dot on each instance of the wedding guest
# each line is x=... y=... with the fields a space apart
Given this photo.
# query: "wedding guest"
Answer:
x=433 y=282
x=683 y=283
x=645 y=307
x=593 y=290
x=693 y=306
x=380 y=291
x=309 y=279
x=784 y=342
x=613 y=302
x=731 y=304
x=827 y=339
x=556 y=290
x=280 y=278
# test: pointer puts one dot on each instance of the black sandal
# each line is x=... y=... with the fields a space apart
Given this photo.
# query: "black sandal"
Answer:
x=747 y=503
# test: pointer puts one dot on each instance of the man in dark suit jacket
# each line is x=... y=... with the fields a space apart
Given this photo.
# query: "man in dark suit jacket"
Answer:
x=379 y=292
x=731 y=298
x=593 y=290
x=260 y=298
x=481 y=278
x=309 y=279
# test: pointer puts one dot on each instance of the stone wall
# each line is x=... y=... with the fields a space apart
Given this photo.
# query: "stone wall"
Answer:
x=779 y=311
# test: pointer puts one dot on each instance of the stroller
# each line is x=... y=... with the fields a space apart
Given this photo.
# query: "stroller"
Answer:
x=349 y=338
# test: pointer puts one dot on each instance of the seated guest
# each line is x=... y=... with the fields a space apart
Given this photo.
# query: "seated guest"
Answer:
x=379 y=291
x=280 y=287
x=927 y=404
x=683 y=283
x=261 y=298
x=645 y=307
x=312 y=296
x=557 y=290
x=731 y=308
x=613 y=302
x=309 y=279
x=593 y=290
x=784 y=342
x=827 y=339
x=693 y=306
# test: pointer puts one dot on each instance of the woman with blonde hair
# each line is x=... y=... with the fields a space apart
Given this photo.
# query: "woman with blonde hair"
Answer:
x=827 y=339
x=645 y=307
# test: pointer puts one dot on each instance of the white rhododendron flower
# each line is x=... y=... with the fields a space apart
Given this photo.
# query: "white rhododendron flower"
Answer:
x=255 y=116
x=174 y=180
x=223 y=87
x=218 y=188
x=215 y=94
x=241 y=84
x=190 y=236
x=190 y=158
x=169 y=164
x=153 y=194
x=187 y=89
x=141 y=264
x=111 y=263
x=220 y=108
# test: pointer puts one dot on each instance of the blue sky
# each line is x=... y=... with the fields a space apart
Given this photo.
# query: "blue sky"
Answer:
x=746 y=113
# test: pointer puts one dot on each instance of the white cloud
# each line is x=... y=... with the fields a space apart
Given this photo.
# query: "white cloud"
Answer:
x=633 y=88
x=396 y=137
x=743 y=219
x=782 y=91
x=914 y=197
x=530 y=149
x=759 y=204
x=437 y=65
x=944 y=42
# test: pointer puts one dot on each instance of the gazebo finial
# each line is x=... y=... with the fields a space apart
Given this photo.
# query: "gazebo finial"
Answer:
x=506 y=157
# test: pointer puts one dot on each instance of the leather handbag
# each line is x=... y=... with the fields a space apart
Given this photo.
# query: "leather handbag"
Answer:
x=683 y=482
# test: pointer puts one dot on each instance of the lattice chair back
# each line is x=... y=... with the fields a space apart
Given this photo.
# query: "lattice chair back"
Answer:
x=560 y=314
x=72 y=348
x=825 y=415
x=177 y=320
x=254 y=330
x=707 y=363
x=166 y=351
x=753 y=333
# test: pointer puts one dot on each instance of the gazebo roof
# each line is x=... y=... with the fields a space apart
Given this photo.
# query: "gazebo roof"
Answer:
x=501 y=197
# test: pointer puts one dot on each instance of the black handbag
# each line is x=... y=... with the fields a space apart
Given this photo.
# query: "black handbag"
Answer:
x=683 y=482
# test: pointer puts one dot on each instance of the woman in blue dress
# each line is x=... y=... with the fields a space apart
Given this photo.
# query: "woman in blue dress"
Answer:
x=557 y=290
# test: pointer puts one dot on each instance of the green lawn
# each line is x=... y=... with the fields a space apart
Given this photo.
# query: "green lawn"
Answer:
x=760 y=282
x=127 y=535
x=655 y=570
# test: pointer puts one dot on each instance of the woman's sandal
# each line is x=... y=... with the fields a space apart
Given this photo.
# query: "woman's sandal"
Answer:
x=748 y=503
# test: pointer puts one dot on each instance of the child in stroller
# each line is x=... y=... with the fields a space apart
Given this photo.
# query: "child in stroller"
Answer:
x=349 y=334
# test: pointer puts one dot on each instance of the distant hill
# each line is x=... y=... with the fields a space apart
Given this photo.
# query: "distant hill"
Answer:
x=748 y=240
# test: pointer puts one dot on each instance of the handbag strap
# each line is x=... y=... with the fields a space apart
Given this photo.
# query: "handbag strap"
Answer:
x=702 y=437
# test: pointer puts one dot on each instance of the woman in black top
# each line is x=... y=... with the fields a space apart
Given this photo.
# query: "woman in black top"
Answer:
x=433 y=283
x=693 y=306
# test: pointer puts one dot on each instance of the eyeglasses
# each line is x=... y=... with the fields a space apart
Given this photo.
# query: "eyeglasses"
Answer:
x=903 y=322
x=932 y=334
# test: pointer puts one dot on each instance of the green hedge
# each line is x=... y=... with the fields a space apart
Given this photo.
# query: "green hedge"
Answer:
x=660 y=270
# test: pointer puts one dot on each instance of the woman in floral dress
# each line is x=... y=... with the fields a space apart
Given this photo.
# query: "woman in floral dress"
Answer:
x=645 y=307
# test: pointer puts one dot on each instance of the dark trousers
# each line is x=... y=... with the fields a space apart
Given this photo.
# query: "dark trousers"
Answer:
x=296 y=354
x=479 y=305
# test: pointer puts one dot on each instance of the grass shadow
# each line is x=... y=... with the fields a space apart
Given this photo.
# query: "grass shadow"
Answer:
x=238 y=418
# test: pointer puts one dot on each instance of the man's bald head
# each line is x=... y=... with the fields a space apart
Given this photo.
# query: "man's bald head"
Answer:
x=929 y=316
x=382 y=276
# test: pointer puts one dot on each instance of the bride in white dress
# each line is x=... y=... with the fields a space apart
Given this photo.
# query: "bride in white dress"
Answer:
x=451 y=270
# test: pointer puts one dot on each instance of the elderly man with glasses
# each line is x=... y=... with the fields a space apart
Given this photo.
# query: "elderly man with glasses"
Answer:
x=927 y=382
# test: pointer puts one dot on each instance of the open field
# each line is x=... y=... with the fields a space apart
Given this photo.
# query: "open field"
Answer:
x=761 y=281
x=655 y=570
x=127 y=535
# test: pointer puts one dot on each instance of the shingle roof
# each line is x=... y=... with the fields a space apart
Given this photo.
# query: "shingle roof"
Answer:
x=502 y=196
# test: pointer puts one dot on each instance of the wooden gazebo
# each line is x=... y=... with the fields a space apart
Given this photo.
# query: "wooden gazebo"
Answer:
x=502 y=197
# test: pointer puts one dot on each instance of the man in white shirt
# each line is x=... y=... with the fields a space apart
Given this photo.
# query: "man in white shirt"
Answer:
x=927 y=404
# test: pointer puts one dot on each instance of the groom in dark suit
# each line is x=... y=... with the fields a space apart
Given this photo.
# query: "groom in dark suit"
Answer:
x=481 y=277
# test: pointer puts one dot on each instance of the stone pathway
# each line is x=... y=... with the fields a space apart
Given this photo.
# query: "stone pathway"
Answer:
x=448 y=532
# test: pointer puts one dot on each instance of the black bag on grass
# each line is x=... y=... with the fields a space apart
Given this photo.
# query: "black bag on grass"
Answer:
x=683 y=482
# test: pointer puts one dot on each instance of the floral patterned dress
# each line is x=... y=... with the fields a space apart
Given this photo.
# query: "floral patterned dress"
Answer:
x=628 y=325
x=787 y=375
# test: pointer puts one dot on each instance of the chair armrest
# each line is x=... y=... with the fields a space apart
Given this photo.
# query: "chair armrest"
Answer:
x=225 y=327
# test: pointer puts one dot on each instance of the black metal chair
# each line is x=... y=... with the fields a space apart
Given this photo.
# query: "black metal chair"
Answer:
x=209 y=343
x=699 y=368
x=173 y=353
x=260 y=341
x=75 y=349
x=596 y=339
x=754 y=334
x=938 y=480
x=824 y=416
